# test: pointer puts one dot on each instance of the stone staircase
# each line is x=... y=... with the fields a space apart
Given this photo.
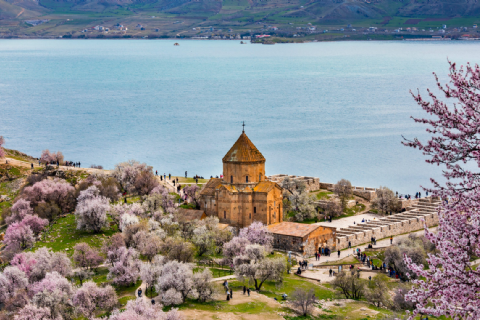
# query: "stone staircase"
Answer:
x=413 y=219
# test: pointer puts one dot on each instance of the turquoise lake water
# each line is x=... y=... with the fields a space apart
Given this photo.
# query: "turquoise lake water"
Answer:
x=331 y=110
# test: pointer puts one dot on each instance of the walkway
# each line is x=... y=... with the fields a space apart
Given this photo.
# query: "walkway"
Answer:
x=27 y=164
x=349 y=252
x=348 y=221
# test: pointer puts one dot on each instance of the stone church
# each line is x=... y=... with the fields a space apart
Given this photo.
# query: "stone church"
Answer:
x=243 y=195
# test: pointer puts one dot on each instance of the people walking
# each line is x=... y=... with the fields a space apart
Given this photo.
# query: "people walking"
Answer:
x=231 y=293
x=391 y=239
x=349 y=244
x=185 y=174
x=339 y=253
x=330 y=272
x=248 y=291
x=139 y=293
x=244 y=290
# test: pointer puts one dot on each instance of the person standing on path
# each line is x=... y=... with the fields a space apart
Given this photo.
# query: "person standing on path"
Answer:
x=244 y=290
x=349 y=245
x=169 y=176
x=156 y=172
x=339 y=253
x=231 y=293
x=31 y=166
x=330 y=272
x=248 y=291
x=185 y=174
x=164 y=176
x=391 y=239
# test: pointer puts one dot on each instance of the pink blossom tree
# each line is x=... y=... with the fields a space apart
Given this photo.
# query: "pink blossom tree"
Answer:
x=19 y=210
x=90 y=297
x=178 y=278
x=126 y=270
x=257 y=233
x=150 y=272
x=52 y=292
x=24 y=261
x=85 y=256
x=111 y=247
x=91 y=210
x=37 y=264
x=166 y=200
x=32 y=312
x=451 y=285
x=11 y=280
x=35 y=223
x=234 y=248
x=56 y=191
x=2 y=142
x=192 y=193
x=19 y=236
x=140 y=309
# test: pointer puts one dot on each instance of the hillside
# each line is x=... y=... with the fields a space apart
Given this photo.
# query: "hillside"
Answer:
x=188 y=18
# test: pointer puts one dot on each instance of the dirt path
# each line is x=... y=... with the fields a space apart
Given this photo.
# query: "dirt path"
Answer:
x=238 y=298
x=26 y=164
x=20 y=13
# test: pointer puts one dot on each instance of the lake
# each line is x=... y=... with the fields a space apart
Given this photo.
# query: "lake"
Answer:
x=331 y=110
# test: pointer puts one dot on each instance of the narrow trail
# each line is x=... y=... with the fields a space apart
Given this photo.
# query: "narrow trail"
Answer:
x=20 y=13
x=26 y=164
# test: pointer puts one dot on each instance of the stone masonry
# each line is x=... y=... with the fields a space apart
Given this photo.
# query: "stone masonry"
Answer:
x=311 y=183
x=424 y=211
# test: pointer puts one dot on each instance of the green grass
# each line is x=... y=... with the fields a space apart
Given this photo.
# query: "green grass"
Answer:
x=349 y=212
x=345 y=261
x=323 y=195
x=290 y=283
x=188 y=206
x=190 y=180
x=254 y=307
x=63 y=234
x=123 y=291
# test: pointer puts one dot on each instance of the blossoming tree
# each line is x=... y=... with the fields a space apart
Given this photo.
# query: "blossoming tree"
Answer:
x=451 y=286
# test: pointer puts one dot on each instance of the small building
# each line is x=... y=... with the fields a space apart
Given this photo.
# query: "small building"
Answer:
x=292 y=236
x=189 y=215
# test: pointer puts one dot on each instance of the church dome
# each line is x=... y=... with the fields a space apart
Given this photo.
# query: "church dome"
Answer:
x=243 y=151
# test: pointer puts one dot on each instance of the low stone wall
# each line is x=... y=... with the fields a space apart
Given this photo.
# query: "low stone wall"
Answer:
x=311 y=183
x=390 y=228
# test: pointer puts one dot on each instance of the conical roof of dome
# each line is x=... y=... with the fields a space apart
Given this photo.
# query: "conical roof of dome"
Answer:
x=243 y=151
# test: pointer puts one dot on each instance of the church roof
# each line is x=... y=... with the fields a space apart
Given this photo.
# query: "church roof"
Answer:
x=264 y=186
x=190 y=214
x=209 y=189
x=292 y=229
x=243 y=151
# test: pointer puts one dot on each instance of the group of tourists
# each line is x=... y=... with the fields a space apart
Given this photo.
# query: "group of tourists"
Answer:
x=71 y=164
x=324 y=251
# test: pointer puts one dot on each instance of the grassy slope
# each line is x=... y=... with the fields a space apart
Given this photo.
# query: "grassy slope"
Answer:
x=62 y=234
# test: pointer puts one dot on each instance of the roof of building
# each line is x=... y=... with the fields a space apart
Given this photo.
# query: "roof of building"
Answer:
x=243 y=151
x=191 y=214
x=264 y=186
x=222 y=226
x=209 y=189
x=292 y=229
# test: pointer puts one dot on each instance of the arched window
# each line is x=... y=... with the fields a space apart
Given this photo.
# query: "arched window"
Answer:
x=246 y=179
x=259 y=177
x=224 y=214
x=231 y=179
x=250 y=216
x=254 y=209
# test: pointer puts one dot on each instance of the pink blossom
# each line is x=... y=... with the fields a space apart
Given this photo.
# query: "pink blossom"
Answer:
x=451 y=287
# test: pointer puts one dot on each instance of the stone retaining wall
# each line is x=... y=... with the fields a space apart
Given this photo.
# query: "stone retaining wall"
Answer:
x=311 y=183
x=392 y=227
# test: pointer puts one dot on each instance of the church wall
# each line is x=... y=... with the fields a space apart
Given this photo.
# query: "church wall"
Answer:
x=239 y=171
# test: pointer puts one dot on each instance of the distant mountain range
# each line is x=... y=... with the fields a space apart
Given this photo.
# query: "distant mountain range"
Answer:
x=320 y=9
x=320 y=12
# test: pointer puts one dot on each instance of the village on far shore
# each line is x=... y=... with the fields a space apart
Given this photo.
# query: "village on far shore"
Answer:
x=243 y=245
